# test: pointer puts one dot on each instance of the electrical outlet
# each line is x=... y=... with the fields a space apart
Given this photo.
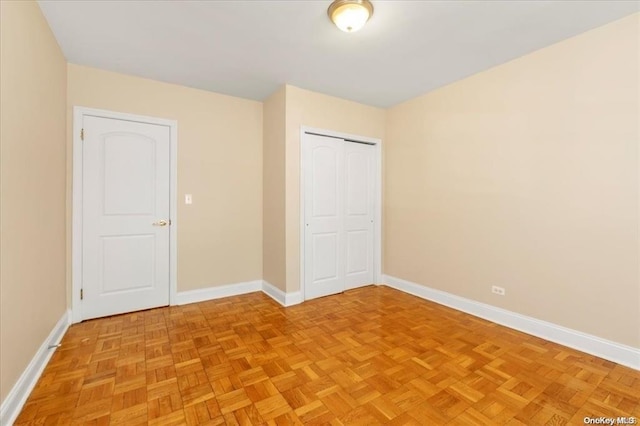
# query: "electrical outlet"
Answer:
x=497 y=290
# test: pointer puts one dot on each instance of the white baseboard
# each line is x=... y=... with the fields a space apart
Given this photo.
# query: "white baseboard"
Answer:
x=285 y=299
x=209 y=293
x=13 y=403
x=612 y=351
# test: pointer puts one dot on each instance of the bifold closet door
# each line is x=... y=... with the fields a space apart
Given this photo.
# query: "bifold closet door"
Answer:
x=339 y=203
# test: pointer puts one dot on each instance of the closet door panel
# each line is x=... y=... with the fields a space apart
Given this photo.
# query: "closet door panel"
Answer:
x=358 y=213
x=324 y=228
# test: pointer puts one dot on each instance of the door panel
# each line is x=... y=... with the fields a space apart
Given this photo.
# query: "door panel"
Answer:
x=129 y=174
x=324 y=174
x=358 y=197
x=357 y=252
x=358 y=216
x=126 y=189
x=324 y=259
x=127 y=261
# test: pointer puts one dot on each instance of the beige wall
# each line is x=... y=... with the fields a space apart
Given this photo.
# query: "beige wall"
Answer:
x=273 y=190
x=306 y=108
x=526 y=176
x=32 y=186
x=219 y=162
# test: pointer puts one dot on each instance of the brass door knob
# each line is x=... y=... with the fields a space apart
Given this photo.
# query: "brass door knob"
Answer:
x=161 y=223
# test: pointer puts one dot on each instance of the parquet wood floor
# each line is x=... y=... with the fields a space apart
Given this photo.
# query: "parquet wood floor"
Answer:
x=369 y=356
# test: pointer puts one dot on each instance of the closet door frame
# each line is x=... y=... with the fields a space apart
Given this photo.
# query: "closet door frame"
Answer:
x=377 y=213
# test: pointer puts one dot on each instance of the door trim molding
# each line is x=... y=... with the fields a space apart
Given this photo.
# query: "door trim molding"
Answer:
x=377 y=211
x=79 y=113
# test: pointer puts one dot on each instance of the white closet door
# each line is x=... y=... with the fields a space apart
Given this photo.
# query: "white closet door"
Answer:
x=125 y=211
x=359 y=207
x=339 y=214
x=324 y=246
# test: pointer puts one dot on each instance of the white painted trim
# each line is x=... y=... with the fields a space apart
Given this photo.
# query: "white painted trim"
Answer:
x=612 y=351
x=76 y=237
x=285 y=299
x=210 y=293
x=294 y=298
x=228 y=290
x=377 y=224
x=173 y=212
x=274 y=292
x=13 y=403
x=76 y=218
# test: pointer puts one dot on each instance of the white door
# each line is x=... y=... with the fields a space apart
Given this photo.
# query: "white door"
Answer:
x=125 y=216
x=324 y=247
x=339 y=211
x=358 y=213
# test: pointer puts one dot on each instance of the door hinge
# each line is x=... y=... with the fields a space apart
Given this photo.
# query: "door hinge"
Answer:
x=81 y=294
x=81 y=134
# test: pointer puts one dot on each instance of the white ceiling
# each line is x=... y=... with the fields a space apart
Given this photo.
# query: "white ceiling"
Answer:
x=250 y=48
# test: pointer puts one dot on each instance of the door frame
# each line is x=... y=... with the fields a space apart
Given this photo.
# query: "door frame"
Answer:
x=79 y=112
x=377 y=211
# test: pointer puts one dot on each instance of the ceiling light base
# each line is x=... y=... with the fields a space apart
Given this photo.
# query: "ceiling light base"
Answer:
x=350 y=15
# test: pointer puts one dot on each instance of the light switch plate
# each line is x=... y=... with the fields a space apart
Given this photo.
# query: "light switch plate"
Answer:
x=188 y=199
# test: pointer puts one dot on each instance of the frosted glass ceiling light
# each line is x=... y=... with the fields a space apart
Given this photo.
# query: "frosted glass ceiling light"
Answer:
x=350 y=15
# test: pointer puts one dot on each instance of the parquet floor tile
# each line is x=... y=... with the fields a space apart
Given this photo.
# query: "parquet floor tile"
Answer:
x=365 y=357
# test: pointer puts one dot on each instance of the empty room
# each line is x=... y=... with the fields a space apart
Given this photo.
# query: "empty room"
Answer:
x=319 y=212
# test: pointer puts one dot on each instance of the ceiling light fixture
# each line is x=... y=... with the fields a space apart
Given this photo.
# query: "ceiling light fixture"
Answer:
x=350 y=15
